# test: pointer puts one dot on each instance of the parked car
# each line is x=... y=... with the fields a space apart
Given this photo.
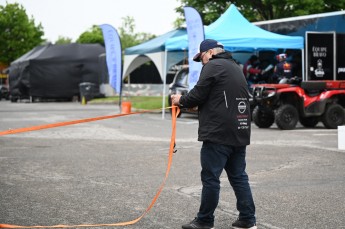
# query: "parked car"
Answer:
x=180 y=86
x=4 y=92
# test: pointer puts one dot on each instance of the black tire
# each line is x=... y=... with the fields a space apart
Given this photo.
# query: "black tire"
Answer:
x=262 y=119
x=334 y=116
x=286 y=117
x=14 y=100
x=309 y=121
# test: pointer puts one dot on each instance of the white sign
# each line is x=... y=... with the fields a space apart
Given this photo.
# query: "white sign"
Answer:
x=341 y=137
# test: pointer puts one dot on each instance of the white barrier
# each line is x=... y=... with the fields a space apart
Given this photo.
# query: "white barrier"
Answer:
x=341 y=137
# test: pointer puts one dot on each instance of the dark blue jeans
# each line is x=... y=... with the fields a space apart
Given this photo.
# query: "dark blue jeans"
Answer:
x=214 y=158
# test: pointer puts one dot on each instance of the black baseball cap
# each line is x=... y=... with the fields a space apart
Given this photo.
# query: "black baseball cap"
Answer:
x=207 y=45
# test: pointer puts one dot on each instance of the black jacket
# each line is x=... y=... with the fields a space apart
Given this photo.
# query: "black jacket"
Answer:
x=222 y=97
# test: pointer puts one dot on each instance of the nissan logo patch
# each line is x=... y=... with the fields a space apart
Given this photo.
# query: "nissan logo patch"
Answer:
x=242 y=107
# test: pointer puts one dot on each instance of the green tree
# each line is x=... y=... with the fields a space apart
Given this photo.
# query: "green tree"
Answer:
x=126 y=32
x=93 y=35
x=209 y=10
x=19 y=34
x=128 y=36
x=259 y=10
x=63 y=40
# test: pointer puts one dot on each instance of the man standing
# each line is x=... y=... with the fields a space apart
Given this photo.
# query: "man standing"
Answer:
x=222 y=97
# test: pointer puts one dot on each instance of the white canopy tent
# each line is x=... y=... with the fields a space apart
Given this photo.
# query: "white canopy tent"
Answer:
x=152 y=50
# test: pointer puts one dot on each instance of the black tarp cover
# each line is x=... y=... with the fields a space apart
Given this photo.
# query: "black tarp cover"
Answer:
x=55 y=71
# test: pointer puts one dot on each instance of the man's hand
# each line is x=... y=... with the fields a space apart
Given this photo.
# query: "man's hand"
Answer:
x=175 y=100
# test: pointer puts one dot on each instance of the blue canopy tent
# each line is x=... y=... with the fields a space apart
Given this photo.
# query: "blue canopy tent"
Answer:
x=236 y=33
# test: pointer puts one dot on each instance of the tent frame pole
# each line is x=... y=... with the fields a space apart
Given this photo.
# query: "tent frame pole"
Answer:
x=303 y=66
x=164 y=81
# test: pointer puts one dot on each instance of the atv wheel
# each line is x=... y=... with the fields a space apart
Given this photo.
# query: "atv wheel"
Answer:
x=262 y=119
x=13 y=100
x=309 y=121
x=334 y=116
x=286 y=117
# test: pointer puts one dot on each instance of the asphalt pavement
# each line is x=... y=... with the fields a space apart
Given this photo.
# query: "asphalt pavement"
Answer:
x=108 y=171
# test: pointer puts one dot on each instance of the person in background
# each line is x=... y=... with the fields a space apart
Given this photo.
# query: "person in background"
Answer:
x=222 y=97
x=283 y=70
x=251 y=70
